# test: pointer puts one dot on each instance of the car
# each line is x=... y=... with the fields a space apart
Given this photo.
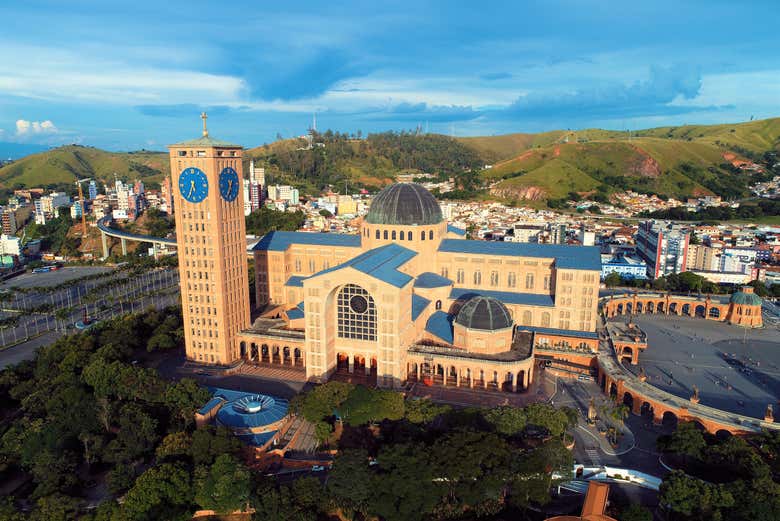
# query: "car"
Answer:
x=317 y=468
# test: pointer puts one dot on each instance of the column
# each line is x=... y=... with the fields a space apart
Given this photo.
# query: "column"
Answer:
x=417 y=370
x=351 y=362
x=515 y=377
x=457 y=377
x=471 y=379
x=124 y=247
x=105 y=244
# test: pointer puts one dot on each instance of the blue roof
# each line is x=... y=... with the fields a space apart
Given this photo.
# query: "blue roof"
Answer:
x=431 y=280
x=299 y=305
x=295 y=281
x=507 y=297
x=294 y=313
x=280 y=241
x=381 y=263
x=566 y=256
x=440 y=324
x=561 y=332
x=257 y=440
x=418 y=305
x=273 y=410
x=457 y=231
x=210 y=405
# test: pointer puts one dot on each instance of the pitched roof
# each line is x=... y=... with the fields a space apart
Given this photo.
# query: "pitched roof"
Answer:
x=381 y=263
x=566 y=256
x=507 y=297
x=440 y=325
x=431 y=280
x=455 y=230
x=206 y=141
x=418 y=305
x=295 y=281
x=280 y=241
x=561 y=332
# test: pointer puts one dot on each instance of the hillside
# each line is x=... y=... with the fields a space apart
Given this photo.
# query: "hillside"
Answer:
x=61 y=166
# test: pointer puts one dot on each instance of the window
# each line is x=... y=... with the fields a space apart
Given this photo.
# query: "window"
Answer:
x=312 y=266
x=422 y=236
x=529 y=281
x=527 y=318
x=385 y=234
x=297 y=264
x=438 y=305
x=430 y=235
x=377 y=234
x=477 y=278
x=511 y=280
x=408 y=236
x=460 y=277
x=545 y=319
x=356 y=313
x=494 y=278
x=394 y=235
x=445 y=272
x=546 y=282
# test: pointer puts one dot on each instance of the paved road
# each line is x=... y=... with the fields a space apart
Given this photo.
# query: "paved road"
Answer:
x=52 y=278
x=26 y=351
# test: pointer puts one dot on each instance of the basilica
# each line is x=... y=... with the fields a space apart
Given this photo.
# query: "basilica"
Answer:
x=409 y=299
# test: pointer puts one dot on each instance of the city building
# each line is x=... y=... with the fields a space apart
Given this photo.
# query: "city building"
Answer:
x=627 y=266
x=8 y=222
x=10 y=245
x=92 y=189
x=50 y=203
x=663 y=246
x=526 y=233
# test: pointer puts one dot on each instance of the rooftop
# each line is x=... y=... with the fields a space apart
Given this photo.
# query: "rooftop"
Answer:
x=381 y=263
x=404 y=204
x=280 y=241
x=507 y=297
x=565 y=256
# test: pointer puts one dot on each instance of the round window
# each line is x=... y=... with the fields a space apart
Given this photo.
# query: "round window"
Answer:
x=358 y=304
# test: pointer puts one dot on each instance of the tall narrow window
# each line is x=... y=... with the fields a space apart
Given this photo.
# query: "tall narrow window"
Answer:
x=460 y=276
x=494 y=278
x=477 y=278
x=529 y=281
x=393 y=234
x=511 y=280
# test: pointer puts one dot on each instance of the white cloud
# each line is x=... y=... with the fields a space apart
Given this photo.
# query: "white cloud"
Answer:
x=33 y=128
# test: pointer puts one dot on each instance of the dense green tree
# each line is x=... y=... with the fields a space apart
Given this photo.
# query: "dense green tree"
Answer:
x=174 y=445
x=507 y=420
x=364 y=405
x=136 y=437
x=184 y=398
x=162 y=492
x=423 y=410
x=350 y=481
x=613 y=279
x=694 y=498
x=210 y=442
x=120 y=478
x=532 y=473
x=264 y=220
x=322 y=401
x=636 y=512
x=405 y=486
x=56 y=507
x=687 y=440
x=224 y=487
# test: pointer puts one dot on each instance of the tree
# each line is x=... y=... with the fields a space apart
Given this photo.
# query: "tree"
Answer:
x=636 y=512
x=325 y=213
x=56 y=507
x=184 y=398
x=686 y=440
x=350 y=481
x=224 y=487
x=613 y=279
x=405 y=489
x=209 y=442
x=321 y=401
x=174 y=445
x=162 y=492
x=364 y=405
x=506 y=420
x=120 y=478
x=423 y=410
x=693 y=497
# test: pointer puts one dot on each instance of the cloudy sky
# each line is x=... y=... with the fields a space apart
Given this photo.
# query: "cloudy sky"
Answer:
x=137 y=75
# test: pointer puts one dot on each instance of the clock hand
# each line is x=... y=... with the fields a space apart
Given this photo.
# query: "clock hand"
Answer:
x=230 y=185
x=192 y=188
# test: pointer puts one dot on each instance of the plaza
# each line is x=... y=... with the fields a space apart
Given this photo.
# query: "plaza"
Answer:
x=684 y=352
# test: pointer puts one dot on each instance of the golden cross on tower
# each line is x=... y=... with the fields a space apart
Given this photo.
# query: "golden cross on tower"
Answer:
x=203 y=116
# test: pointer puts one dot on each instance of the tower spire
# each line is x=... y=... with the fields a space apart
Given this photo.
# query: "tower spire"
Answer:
x=203 y=116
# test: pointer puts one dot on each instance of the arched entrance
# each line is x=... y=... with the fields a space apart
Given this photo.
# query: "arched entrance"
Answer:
x=673 y=308
x=646 y=411
x=508 y=382
x=714 y=312
x=669 y=420
x=686 y=309
x=342 y=362
x=628 y=400
x=613 y=391
x=626 y=355
x=700 y=311
x=651 y=307
x=253 y=356
x=660 y=307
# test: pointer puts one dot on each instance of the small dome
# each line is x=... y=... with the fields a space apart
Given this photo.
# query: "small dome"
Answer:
x=404 y=203
x=745 y=297
x=484 y=313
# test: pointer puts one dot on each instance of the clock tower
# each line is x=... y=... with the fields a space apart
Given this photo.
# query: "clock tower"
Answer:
x=211 y=244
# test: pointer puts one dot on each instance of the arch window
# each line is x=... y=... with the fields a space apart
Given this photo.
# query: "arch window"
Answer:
x=385 y=234
x=356 y=312
x=422 y=235
x=377 y=234
x=430 y=235
x=408 y=236
x=545 y=319
x=394 y=237
x=438 y=305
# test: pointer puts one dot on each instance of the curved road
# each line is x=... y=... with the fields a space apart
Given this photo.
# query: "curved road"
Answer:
x=120 y=234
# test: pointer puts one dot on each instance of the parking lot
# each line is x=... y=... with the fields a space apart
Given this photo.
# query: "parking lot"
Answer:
x=52 y=278
x=734 y=369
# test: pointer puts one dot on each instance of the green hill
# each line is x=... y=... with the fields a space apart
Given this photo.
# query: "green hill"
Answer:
x=751 y=137
x=552 y=180
x=63 y=165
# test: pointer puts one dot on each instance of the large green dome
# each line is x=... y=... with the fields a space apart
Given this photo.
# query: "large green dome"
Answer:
x=405 y=204
x=745 y=298
x=485 y=313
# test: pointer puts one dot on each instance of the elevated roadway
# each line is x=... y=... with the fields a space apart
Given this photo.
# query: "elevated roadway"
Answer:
x=123 y=236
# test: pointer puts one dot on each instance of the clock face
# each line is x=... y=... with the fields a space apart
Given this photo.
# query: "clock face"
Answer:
x=193 y=185
x=228 y=184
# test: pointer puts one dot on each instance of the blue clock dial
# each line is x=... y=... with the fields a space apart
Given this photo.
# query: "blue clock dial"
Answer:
x=228 y=184
x=193 y=185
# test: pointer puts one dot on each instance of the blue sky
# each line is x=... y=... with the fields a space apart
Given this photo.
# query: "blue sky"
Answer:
x=129 y=75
